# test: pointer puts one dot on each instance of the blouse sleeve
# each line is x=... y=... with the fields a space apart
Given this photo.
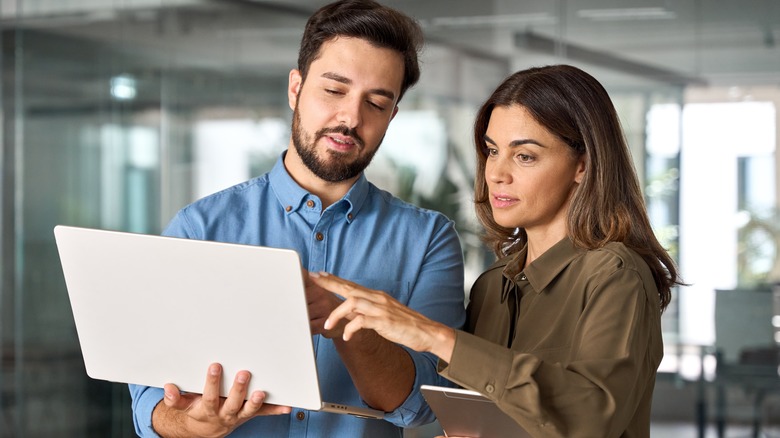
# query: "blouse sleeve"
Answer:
x=612 y=359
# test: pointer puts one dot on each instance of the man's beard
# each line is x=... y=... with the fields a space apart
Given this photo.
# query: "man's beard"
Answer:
x=338 y=168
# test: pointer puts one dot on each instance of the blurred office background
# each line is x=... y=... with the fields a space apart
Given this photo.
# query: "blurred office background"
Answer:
x=116 y=113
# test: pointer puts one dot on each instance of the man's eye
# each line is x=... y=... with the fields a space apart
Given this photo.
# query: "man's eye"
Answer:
x=376 y=106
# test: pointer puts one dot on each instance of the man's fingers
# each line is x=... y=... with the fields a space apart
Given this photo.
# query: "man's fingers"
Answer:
x=256 y=405
x=210 y=399
x=269 y=409
x=235 y=399
x=173 y=398
x=252 y=405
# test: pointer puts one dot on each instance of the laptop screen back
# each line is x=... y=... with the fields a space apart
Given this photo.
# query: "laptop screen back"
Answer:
x=152 y=310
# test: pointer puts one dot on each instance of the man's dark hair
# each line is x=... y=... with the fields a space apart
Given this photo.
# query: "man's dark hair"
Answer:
x=368 y=20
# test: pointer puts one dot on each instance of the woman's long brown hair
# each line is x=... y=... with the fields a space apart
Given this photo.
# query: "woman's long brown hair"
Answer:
x=608 y=205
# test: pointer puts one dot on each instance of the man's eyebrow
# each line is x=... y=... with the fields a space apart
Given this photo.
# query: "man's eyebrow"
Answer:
x=517 y=142
x=347 y=81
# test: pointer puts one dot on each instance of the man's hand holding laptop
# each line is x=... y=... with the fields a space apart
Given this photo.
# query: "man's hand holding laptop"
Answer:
x=210 y=415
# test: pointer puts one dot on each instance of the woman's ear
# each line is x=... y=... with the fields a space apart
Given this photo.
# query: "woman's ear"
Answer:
x=580 y=173
x=294 y=87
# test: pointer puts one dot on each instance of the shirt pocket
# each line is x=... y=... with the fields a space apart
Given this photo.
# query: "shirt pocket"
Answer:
x=399 y=290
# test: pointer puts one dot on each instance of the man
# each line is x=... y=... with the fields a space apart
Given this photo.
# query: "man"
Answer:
x=357 y=58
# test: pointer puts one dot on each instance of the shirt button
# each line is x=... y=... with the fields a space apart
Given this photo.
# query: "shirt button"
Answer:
x=319 y=237
x=310 y=203
x=489 y=389
x=523 y=277
x=349 y=216
x=288 y=208
x=300 y=415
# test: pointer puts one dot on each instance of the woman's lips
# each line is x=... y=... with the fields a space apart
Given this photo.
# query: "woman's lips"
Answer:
x=501 y=200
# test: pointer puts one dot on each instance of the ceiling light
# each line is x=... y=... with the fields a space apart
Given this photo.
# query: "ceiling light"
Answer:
x=494 y=20
x=123 y=87
x=552 y=46
x=626 y=14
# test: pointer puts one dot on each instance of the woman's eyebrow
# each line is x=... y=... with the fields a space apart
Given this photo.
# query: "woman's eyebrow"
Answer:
x=515 y=143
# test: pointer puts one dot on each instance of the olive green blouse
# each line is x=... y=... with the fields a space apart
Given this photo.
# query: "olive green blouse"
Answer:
x=570 y=346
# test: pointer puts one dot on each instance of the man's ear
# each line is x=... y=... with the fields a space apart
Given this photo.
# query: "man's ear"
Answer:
x=395 y=111
x=294 y=87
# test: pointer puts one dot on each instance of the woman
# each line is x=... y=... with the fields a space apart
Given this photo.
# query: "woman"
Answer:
x=564 y=330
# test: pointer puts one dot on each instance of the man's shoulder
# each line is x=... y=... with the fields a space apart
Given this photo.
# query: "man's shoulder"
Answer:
x=382 y=199
x=246 y=191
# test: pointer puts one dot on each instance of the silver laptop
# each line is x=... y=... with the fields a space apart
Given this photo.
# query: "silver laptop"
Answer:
x=466 y=413
x=152 y=310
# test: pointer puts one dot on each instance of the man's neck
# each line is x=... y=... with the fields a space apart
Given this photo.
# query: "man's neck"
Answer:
x=328 y=192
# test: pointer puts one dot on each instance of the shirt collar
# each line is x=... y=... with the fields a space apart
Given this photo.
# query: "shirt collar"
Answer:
x=355 y=197
x=542 y=271
x=292 y=196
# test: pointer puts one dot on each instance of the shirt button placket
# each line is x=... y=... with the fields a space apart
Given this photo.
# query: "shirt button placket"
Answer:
x=318 y=246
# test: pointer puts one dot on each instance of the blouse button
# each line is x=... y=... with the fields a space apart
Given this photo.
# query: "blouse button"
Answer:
x=489 y=389
x=310 y=203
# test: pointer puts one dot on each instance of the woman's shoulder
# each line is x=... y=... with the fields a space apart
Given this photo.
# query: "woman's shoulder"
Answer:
x=614 y=257
x=493 y=273
x=615 y=251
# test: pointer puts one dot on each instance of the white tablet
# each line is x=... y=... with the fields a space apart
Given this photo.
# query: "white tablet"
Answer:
x=464 y=413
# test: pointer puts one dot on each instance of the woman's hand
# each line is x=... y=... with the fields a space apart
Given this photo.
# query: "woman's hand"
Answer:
x=376 y=310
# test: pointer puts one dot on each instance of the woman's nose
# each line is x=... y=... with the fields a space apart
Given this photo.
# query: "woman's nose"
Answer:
x=498 y=170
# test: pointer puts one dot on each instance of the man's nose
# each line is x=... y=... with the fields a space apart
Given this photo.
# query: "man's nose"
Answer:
x=349 y=112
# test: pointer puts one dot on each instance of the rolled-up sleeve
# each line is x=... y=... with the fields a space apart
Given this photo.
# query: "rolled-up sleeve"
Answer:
x=144 y=400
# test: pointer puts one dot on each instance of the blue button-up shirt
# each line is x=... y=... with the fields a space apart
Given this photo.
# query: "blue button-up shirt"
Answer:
x=369 y=237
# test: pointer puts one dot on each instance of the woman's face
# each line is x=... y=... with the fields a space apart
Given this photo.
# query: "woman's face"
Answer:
x=530 y=172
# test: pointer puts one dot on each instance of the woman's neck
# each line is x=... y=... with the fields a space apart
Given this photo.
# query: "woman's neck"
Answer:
x=539 y=241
